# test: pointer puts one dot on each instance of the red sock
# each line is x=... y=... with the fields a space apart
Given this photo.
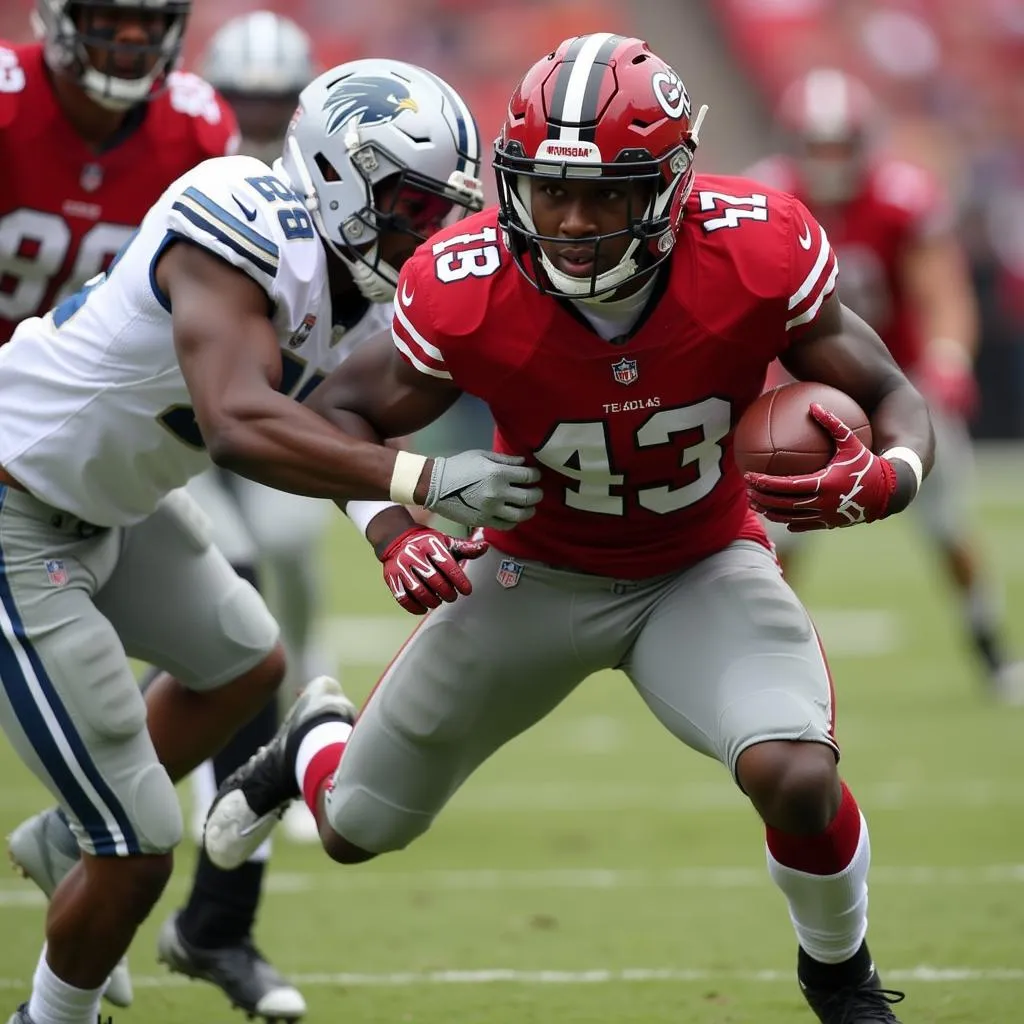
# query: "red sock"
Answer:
x=828 y=852
x=319 y=774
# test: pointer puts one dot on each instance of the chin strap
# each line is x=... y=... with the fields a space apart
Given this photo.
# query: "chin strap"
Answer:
x=373 y=278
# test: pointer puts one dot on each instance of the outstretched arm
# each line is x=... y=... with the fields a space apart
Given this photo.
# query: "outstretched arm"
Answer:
x=230 y=357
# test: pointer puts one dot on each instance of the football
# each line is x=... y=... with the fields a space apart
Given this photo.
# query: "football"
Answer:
x=778 y=435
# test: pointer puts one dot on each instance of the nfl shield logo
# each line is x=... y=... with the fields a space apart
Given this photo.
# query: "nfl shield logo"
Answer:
x=624 y=371
x=91 y=177
x=303 y=331
x=509 y=572
x=56 y=573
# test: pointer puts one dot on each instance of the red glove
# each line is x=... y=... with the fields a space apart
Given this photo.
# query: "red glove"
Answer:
x=855 y=487
x=421 y=566
x=949 y=386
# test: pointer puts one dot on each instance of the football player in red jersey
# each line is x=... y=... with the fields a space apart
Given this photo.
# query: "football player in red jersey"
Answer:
x=893 y=232
x=617 y=314
x=94 y=125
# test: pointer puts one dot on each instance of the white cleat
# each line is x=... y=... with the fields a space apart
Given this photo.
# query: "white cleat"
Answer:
x=252 y=799
x=1008 y=683
x=44 y=849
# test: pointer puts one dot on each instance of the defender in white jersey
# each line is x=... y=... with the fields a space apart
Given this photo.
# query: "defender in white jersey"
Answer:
x=200 y=343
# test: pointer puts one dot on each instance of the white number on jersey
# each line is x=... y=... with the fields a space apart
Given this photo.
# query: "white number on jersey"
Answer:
x=33 y=249
x=581 y=452
x=12 y=74
x=191 y=95
x=735 y=209
x=477 y=261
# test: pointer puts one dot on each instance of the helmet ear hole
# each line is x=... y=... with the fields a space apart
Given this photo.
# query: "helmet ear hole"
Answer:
x=326 y=168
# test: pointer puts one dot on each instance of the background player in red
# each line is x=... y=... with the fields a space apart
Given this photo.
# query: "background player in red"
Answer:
x=618 y=315
x=893 y=231
x=94 y=125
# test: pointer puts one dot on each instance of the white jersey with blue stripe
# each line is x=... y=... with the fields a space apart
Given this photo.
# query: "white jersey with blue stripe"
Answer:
x=96 y=417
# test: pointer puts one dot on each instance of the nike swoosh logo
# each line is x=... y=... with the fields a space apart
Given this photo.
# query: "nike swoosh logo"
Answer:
x=407 y=297
x=250 y=215
x=457 y=492
x=805 y=240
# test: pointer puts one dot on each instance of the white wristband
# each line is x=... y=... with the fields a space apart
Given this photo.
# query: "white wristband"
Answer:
x=911 y=458
x=406 y=476
x=361 y=512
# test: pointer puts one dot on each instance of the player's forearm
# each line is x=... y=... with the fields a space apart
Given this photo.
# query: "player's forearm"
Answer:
x=901 y=420
x=951 y=329
x=280 y=443
x=947 y=308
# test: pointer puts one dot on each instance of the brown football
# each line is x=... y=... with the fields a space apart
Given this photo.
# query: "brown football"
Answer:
x=777 y=434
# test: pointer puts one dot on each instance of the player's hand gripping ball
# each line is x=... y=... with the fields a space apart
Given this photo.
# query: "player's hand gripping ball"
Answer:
x=805 y=452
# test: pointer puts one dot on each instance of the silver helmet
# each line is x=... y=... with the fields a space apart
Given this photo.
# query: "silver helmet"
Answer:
x=259 y=54
x=260 y=62
x=71 y=28
x=364 y=123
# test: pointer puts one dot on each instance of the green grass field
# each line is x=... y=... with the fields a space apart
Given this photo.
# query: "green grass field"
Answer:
x=597 y=871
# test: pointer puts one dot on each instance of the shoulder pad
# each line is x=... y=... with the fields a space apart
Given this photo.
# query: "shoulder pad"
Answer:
x=235 y=207
x=210 y=121
x=911 y=188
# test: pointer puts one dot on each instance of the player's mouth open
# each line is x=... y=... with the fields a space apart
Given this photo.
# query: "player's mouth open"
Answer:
x=577 y=262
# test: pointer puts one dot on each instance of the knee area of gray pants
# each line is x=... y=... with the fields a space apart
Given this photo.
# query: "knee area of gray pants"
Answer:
x=775 y=712
x=155 y=811
x=251 y=631
x=371 y=824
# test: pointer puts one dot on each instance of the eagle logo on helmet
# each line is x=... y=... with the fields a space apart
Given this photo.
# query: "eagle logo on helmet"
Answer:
x=367 y=99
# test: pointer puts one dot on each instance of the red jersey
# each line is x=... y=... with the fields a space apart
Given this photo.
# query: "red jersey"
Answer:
x=898 y=206
x=633 y=438
x=65 y=210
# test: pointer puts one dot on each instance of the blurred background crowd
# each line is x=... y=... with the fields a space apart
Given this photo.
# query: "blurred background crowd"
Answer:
x=950 y=75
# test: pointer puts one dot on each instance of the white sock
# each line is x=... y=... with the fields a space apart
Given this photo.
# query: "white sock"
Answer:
x=829 y=912
x=326 y=734
x=982 y=606
x=56 y=1002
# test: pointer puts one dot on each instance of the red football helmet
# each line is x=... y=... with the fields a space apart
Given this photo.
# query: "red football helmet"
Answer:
x=599 y=107
x=831 y=118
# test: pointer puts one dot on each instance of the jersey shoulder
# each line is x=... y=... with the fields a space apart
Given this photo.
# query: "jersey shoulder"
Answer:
x=195 y=117
x=455 y=281
x=236 y=207
x=759 y=246
x=458 y=274
x=742 y=220
x=910 y=195
x=21 y=79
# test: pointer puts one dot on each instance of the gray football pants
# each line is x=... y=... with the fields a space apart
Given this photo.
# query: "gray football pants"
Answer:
x=723 y=653
x=75 y=601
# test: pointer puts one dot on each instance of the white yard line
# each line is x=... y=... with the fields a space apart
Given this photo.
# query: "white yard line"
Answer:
x=288 y=883
x=597 y=976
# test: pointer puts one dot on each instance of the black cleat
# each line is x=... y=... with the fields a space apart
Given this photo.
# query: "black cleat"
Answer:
x=241 y=972
x=864 y=1003
x=252 y=799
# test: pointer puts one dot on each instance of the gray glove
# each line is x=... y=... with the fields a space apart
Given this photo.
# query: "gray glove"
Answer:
x=479 y=488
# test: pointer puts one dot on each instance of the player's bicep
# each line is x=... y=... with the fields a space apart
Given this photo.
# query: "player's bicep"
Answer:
x=377 y=384
x=840 y=349
x=225 y=342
